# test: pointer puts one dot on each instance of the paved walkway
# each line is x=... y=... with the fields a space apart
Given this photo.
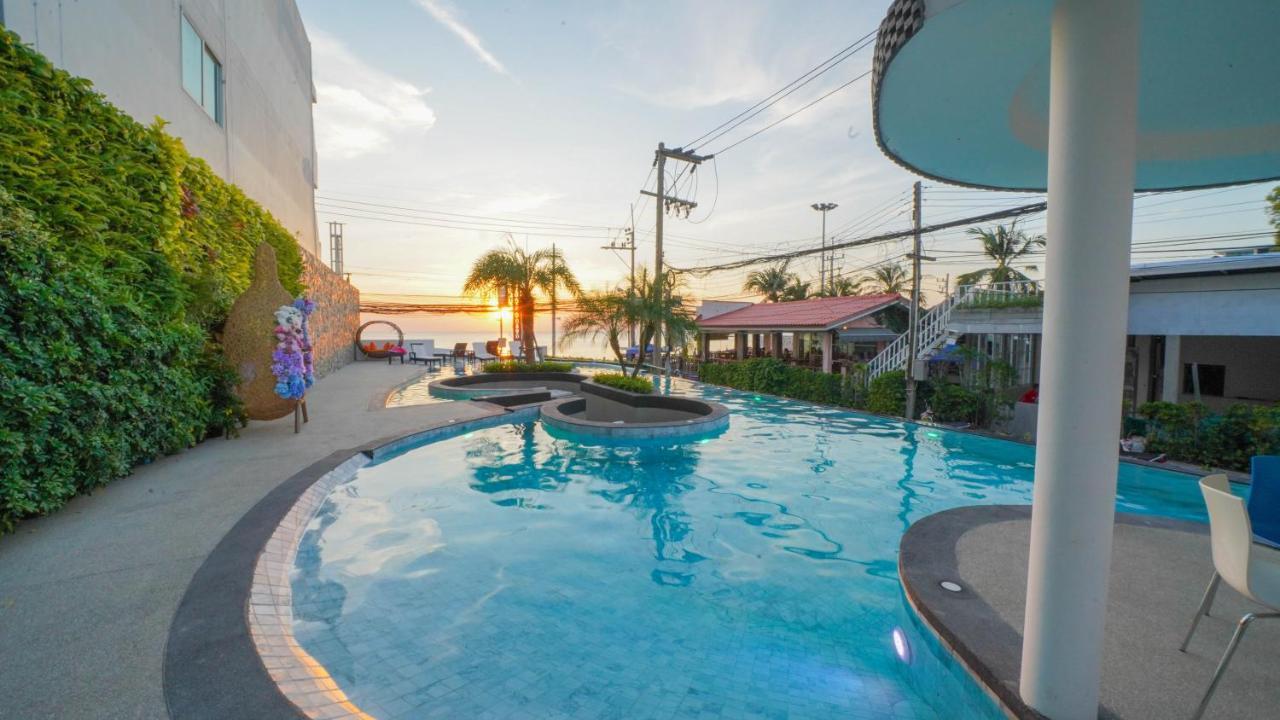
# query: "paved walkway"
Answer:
x=1159 y=571
x=87 y=595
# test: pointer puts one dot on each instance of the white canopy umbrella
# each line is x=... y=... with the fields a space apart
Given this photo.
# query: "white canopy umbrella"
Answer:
x=1089 y=99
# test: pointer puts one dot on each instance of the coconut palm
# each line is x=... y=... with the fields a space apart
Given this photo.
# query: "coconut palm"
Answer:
x=521 y=274
x=669 y=314
x=770 y=282
x=1004 y=245
x=884 y=280
x=605 y=314
x=839 y=287
x=796 y=290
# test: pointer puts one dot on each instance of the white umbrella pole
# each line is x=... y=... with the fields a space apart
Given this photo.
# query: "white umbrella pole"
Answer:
x=1092 y=139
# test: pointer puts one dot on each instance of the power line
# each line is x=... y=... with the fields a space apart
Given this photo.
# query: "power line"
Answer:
x=1010 y=213
x=790 y=115
x=819 y=69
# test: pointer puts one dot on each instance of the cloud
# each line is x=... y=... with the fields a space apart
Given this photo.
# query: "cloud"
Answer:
x=360 y=109
x=448 y=17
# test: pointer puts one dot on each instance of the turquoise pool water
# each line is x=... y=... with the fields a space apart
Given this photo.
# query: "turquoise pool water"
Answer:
x=508 y=573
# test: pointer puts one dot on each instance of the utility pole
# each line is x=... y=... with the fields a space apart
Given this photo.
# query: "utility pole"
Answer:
x=825 y=281
x=553 y=303
x=663 y=203
x=913 y=331
x=630 y=246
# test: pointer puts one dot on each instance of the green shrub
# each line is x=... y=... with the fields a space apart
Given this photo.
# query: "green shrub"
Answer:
x=120 y=256
x=517 y=366
x=772 y=376
x=951 y=402
x=623 y=382
x=887 y=394
x=1192 y=433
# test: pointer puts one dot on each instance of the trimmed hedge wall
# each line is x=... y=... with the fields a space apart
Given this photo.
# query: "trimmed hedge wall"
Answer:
x=772 y=376
x=120 y=255
x=1191 y=432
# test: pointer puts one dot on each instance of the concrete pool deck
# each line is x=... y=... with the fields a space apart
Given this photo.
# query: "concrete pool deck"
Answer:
x=88 y=594
x=1159 y=571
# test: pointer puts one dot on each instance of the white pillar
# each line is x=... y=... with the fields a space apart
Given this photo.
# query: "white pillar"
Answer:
x=826 y=352
x=1092 y=137
x=1171 y=390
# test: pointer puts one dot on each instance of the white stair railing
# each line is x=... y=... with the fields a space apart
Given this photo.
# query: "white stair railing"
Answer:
x=932 y=325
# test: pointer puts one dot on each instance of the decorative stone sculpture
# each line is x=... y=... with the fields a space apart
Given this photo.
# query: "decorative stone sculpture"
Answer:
x=249 y=339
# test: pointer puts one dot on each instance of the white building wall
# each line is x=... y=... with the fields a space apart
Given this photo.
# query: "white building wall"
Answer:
x=130 y=49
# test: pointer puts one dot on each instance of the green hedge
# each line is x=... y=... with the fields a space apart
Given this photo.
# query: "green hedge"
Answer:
x=1192 y=433
x=518 y=366
x=623 y=381
x=121 y=256
x=772 y=376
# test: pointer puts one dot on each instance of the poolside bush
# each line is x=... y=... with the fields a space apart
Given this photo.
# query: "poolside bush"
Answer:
x=624 y=382
x=887 y=394
x=121 y=256
x=519 y=366
x=772 y=376
x=1191 y=432
x=952 y=402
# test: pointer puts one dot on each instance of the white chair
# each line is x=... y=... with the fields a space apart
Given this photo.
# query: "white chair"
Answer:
x=540 y=352
x=517 y=350
x=481 y=352
x=1240 y=563
x=423 y=351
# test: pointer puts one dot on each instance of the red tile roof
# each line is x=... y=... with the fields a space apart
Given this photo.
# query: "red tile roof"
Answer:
x=813 y=314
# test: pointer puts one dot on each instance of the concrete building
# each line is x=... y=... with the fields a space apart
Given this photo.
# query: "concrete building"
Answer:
x=232 y=79
x=1205 y=328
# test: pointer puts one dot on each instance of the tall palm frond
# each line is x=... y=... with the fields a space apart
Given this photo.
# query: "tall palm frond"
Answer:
x=771 y=282
x=885 y=279
x=1005 y=246
x=522 y=274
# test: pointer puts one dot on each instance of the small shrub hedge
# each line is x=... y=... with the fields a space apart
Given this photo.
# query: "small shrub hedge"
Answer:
x=772 y=376
x=624 y=382
x=887 y=394
x=517 y=366
x=1191 y=432
x=120 y=255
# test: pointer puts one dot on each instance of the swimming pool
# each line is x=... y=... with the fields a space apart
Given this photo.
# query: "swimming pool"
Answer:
x=509 y=573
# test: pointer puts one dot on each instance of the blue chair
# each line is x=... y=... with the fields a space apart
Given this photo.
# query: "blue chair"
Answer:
x=1264 y=500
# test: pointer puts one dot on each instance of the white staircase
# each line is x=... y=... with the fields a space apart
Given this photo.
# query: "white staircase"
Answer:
x=932 y=325
x=932 y=330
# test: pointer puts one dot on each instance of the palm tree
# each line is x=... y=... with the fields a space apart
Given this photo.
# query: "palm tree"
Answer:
x=608 y=314
x=770 y=282
x=796 y=290
x=521 y=274
x=839 y=287
x=1004 y=245
x=668 y=314
x=885 y=280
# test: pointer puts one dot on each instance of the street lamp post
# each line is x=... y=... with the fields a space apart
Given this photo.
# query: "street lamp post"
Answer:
x=824 y=278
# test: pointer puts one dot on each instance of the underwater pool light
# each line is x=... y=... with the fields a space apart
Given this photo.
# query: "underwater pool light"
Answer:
x=933 y=434
x=901 y=646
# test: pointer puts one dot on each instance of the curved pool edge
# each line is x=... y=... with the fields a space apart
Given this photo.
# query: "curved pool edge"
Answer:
x=230 y=651
x=963 y=623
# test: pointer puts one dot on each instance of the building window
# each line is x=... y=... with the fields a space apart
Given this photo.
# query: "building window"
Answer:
x=1213 y=379
x=201 y=72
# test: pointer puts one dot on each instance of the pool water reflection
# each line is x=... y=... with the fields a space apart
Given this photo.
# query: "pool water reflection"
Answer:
x=511 y=573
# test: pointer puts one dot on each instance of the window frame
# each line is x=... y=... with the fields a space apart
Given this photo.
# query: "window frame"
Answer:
x=206 y=55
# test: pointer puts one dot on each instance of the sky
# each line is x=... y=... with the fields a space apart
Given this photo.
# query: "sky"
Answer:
x=440 y=124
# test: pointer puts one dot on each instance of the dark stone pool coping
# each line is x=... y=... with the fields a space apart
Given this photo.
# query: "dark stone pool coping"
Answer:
x=711 y=417
x=465 y=387
x=967 y=626
x=214 y=667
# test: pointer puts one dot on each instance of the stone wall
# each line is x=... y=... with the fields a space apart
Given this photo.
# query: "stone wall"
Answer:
x=333 y=325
